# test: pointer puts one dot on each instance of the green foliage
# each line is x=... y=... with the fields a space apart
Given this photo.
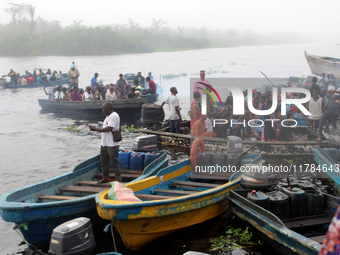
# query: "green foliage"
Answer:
x=172 y=76
x=131 y=129
x=291 y=161
x=235 y=239
x=71 y=129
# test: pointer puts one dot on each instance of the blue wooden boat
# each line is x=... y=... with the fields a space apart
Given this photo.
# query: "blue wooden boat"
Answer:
x=277 y=232
x=176 y=198
x=328 y=160
x=151 y=97
x=40 y=85
x=47 y=204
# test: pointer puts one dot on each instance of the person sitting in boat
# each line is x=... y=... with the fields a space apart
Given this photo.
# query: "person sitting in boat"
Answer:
x=30 y=79
x=23 y=80
x=139 y=79
x=111 y=95
x=224 y=130
x=60 y=75
x=59 y=94
x=88 y=94
x=75 y=95
x=331 y=114
x=120 y=93
x=98 y=94
x=35 y=76
x=53 y=76
x=262 y=105
x=67 y=93
x=152 y=87
x=238 y=129
x=286 y=132
x=44 y=78
x=13 y=76
x=138 y=88
x=82 y=94
x=198 y=129
x=39 y=79
x=132 y=94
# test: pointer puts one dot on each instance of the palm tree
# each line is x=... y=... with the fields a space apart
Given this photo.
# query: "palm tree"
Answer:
x=31 y=11
x=133 y=25
x=157 y=24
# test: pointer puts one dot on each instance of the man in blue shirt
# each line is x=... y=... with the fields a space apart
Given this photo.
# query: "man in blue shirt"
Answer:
x=94 y=82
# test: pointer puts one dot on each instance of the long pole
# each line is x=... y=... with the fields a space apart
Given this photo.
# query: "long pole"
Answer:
x=268 y=79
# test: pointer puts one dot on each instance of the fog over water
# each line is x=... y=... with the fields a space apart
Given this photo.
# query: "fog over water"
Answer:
x=33 y=148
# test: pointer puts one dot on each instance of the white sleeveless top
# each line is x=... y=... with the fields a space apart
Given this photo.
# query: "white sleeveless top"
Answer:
x=315 y=108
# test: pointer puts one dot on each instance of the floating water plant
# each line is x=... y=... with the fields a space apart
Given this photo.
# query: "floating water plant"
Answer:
x=71 y=129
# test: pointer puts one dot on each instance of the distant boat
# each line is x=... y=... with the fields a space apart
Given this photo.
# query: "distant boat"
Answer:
x=39 y=85
x=319 y=65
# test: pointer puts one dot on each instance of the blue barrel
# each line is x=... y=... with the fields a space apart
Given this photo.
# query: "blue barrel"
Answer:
x=137 y=161
x=150 y=156
x=333 y=153
x=124 y=159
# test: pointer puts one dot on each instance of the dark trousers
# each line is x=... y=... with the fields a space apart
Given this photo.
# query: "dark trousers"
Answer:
x=175 y=126
x=108 y=154
x=330 y=116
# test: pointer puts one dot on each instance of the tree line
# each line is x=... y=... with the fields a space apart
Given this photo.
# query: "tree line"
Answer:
x=28 y=35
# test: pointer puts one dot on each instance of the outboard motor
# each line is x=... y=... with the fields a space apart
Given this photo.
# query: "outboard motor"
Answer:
x=145 y=143
x=152 y=116
x=74 y=237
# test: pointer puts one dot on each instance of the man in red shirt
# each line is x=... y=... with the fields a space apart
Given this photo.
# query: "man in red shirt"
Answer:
x=152 y=86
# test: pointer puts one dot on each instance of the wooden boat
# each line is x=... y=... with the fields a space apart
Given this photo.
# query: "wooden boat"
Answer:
x=283 y=234
x=47 y=204
x=299 y=147
x=129 y=108
x=40 y=85
x=320 y=64
x=328 y=160
x=174 y=199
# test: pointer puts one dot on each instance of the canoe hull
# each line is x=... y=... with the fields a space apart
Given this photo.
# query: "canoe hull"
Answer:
x=138 y=232
x=142 y=222
x=273 y=233
x=319 y=65
x=40 y=85
x=23 y=205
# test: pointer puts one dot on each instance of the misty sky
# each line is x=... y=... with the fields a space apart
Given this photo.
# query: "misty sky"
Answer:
x=304 y=17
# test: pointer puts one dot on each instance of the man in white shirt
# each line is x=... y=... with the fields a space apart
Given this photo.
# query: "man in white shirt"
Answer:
x=175 y=115
x=88 y=94
x=109 y=149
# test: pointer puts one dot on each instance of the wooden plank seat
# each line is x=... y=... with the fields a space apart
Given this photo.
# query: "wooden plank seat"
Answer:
x=112 y=175
x=217 y=178
x=83 y=189
x=174 y=192
x=94 y=183
x=56 y=197
x=152 y=197
x=194 y=184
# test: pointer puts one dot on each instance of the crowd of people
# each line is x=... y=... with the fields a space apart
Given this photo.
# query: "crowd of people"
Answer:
x=37 y=76
x=98 y=91
x=324 y=105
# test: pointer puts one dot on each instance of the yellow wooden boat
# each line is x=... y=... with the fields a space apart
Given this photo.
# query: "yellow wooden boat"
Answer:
x=171 y=201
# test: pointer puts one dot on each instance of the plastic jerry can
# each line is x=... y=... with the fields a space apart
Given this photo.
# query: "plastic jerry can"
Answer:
x=279 y=204
x=137 y=161
x=259 y=198
x=298 y=202
x=124 y=159
x=149 y=157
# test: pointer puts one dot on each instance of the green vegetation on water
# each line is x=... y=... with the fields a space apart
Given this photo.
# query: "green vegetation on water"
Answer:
x=131 y=129
x=71 y=129
x=235 y=239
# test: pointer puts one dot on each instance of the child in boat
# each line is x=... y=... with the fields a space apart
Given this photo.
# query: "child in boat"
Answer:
x=331 y=114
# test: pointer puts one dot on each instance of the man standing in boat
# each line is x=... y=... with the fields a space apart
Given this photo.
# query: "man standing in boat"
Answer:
x=140 y=79
x=109 y=148
x=121 y=82
x=175 y=114
x=73 y=74
x=198 y=84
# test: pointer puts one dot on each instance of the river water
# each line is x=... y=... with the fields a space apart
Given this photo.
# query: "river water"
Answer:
x=34 y=146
